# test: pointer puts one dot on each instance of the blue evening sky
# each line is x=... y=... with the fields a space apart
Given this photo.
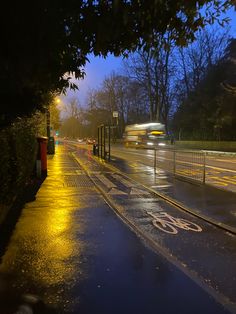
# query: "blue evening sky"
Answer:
x=96 y=70
x=99 y=68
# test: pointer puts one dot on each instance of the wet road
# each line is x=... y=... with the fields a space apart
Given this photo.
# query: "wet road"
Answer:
x=220 y=170
x=223 y=162
x=74 y=253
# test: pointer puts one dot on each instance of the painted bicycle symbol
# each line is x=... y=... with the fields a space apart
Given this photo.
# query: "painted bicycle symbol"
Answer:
x=168 y=223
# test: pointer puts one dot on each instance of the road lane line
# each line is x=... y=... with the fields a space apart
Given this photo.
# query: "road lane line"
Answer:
x=217 y=168
x=222 y=180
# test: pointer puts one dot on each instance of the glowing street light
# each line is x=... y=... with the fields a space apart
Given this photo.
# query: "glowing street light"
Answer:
x=57 y=100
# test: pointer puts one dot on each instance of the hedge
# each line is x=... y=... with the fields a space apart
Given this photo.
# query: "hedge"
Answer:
x=18 y=145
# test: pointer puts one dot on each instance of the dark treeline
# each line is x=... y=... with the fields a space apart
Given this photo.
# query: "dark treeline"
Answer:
x=190 y=89
x=207 y=111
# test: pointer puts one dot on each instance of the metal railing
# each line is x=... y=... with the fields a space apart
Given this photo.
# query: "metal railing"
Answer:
x=188 y=164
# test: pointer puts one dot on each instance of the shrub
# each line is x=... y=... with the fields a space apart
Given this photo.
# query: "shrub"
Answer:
x=18 y=146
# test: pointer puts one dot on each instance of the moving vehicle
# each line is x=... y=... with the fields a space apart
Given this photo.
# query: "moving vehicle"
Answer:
x=145 y=135
x=90 y=141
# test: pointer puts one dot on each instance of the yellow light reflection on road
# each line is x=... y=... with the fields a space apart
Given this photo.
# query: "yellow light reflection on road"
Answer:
x=44 y=248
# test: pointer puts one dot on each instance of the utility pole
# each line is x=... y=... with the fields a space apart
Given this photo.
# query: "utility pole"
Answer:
x=48 y=123
x=115 y=115
x=51 y=141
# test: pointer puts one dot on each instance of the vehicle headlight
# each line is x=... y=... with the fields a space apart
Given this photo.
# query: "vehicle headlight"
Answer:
x=150 y=143
x=161 y=144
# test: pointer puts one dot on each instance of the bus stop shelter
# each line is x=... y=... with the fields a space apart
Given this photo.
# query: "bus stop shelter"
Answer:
x=103 y=146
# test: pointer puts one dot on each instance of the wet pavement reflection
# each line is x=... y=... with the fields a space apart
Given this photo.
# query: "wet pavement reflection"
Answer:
x=70 y=250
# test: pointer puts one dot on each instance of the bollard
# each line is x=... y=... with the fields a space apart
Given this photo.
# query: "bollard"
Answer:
x=51 y=145
x=95 y=149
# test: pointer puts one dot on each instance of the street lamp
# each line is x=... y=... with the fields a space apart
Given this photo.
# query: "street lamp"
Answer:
x=48 y=122
x=51 y=143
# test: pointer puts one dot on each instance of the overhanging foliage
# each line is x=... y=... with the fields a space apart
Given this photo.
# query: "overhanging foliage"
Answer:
x=43 y=40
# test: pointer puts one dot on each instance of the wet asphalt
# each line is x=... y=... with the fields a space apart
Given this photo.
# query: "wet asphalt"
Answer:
x=70 y=252
x=215 y=204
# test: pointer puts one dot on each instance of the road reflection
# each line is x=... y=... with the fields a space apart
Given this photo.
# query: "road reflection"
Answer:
x=43 y=249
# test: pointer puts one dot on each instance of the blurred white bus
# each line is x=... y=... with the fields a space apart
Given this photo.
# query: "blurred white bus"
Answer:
x=145 y=135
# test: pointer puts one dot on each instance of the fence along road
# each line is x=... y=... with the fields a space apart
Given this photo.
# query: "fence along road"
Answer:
x=217 y=169
x=199 y=166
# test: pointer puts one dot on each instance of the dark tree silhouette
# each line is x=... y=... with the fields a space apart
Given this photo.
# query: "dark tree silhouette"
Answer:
x=43 y=40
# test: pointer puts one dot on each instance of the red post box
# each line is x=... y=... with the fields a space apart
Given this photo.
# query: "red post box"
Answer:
x=41 y=163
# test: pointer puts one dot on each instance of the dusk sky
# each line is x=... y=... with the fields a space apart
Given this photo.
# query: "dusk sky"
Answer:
x=99 y=68
x=96 y=70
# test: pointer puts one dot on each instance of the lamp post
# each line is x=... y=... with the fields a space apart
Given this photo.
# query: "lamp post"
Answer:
x=48 y=122
x=51 y=142
x=115 y=115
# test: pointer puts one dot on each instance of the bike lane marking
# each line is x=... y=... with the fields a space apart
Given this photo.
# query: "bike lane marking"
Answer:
x=169 y=224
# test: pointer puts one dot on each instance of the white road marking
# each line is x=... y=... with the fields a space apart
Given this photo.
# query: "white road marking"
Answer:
x=106 y=181
x=226 y=160
x=115 y=191
x=169 y=224
x=123 y=180
x=160 y=186
x=222 y=169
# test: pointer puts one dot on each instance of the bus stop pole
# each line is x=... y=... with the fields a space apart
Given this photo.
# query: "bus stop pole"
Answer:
x=109 y=143
x=155 y=160
x=174 y=161
x=98 y=141
x=204 y=168
x=104 y=142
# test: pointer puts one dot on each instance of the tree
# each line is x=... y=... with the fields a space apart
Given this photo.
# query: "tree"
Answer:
x=209 y=112
x=73 y=109
x=194 y=64
x=54 y=116
x=137 y=106
x=194 y=61
x=73 y=124
x=44 y=40
x=153 y=69
x=117 y=93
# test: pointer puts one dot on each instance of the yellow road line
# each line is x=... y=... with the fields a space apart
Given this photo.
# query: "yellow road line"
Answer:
x=223 y=180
